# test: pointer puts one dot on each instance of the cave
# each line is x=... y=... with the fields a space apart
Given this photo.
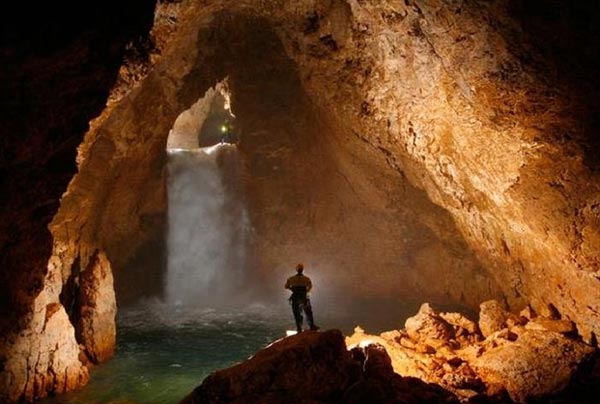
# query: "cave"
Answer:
x=173 y=161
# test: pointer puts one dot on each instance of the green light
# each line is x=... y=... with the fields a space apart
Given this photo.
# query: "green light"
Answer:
x=223 y=129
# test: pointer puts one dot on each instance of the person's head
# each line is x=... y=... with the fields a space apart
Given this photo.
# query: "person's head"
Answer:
x=299 y=268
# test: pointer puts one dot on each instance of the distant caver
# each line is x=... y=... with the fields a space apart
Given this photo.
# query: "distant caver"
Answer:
x=300 y=285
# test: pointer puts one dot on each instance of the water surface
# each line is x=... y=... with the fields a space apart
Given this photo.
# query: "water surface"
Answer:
x=164 y=352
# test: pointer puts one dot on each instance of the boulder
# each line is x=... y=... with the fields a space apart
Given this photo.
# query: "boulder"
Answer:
x=536 y=364
x=459 y=321
x=534 y=361
x=380 y=385
x=315 y=367
x=307 y=366
x=492 y=317
x=429 y=327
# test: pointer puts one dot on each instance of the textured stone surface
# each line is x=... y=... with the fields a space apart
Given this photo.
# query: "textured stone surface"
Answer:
x=311 y=365
x=420 y=128
x=428 y=326
x=44 y=358
x=314 y=367
x=535 y=364
x=471 y=135
x=517 y=363
x=492 y=317
x=95 y=325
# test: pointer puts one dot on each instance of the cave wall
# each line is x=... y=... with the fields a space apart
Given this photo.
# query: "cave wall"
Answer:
x=465 y=104
x=438 y=88
x=59 y=63
x=319 y=195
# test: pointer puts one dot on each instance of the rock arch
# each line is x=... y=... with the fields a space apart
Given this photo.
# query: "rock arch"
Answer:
x=402 y=136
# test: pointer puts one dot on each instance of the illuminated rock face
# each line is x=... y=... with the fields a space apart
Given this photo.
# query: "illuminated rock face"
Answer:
x=95 y=323
x=410 y=150
x=524 y=359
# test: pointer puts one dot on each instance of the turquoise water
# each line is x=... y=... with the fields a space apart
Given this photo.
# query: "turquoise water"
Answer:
x=163 y=353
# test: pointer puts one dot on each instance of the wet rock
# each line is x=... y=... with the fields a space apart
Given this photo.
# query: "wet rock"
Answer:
x=492 y=317
x=429 y=327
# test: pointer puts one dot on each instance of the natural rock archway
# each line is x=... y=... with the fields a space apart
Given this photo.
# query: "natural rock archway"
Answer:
x=410 y=150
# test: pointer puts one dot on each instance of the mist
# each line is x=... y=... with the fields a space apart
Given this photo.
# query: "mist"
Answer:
x=207 y=227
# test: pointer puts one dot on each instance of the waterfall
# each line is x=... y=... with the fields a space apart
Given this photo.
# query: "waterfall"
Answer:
x=206 y=225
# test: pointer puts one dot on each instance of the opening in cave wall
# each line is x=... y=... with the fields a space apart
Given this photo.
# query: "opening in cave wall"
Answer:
x=206 y=213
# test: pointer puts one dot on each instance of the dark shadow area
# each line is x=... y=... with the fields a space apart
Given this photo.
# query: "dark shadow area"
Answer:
x=59 y=62
x=143 y=277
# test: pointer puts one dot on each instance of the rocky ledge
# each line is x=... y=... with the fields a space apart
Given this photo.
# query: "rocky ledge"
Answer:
x=503 y=358
x=436 y=358
x=312 y=368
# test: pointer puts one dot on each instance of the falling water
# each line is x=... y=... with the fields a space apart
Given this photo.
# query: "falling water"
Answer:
x=207 y=226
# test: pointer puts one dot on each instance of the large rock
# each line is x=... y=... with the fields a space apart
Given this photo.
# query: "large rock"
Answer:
x=315 y=367
x=429 y=327
x=56 y=368
x=380 y=385
x=535 y=361
x=492 y=317
x=536 y=364
x=95 y=327
x=309 y=366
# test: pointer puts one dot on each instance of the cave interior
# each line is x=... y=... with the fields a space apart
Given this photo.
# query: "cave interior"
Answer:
x=192 y=152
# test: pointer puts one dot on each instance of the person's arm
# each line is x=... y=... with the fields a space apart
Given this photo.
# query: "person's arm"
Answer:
x=309 y=286
x=287 y=284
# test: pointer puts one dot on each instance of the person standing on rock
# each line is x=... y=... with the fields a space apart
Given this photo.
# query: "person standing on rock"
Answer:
x=300 y=285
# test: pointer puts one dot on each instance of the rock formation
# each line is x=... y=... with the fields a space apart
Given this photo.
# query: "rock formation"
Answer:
x=95 y=321
x=438 y=357
x=528 y=360
x=315 y=367
x=441 y=150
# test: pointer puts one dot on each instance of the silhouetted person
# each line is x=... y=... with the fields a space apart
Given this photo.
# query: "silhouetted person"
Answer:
x=300 y=285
